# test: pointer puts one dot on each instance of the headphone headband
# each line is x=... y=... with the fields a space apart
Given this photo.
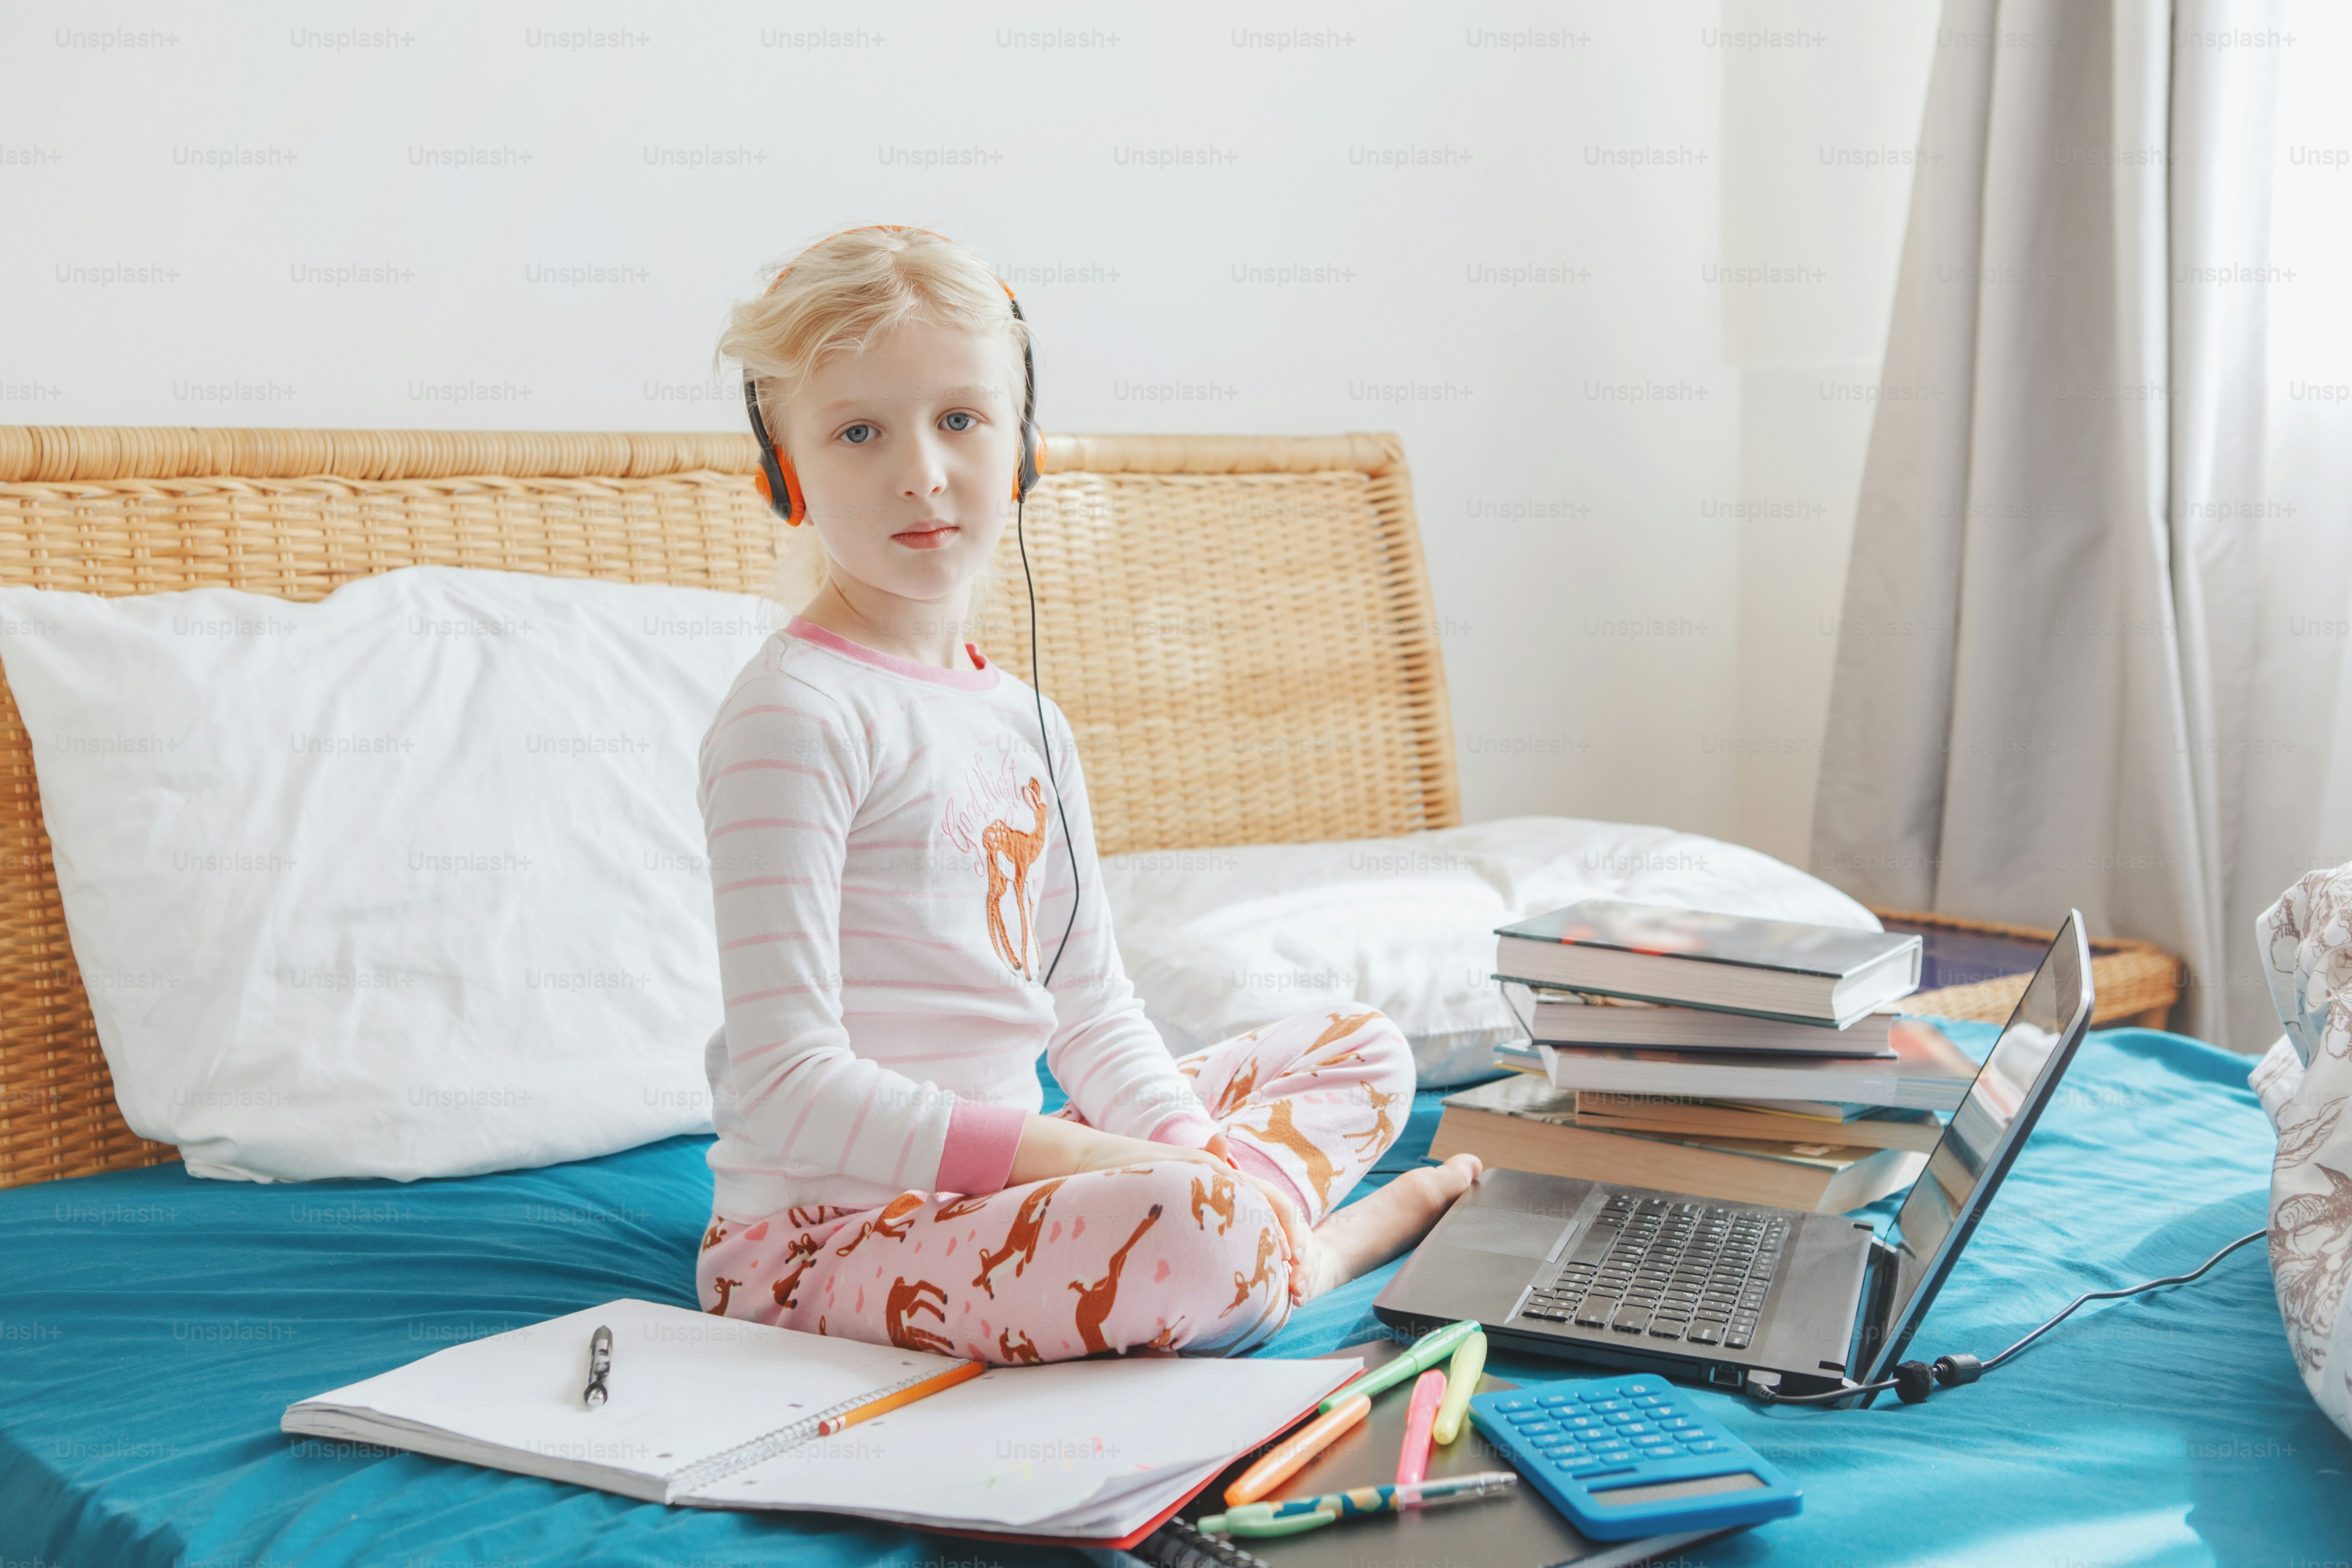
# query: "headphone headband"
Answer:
x=781 y=485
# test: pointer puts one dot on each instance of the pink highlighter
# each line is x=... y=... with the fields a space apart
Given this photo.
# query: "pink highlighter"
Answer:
x=1412 y=1460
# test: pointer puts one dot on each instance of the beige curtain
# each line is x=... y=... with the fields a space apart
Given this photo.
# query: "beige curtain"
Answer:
x=2045 y=636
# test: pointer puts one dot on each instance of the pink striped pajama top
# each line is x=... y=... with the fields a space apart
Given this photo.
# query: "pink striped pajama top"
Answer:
x=890 y=881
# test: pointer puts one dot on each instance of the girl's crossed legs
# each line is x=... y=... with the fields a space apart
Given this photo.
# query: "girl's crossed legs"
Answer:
x=1171 y=1255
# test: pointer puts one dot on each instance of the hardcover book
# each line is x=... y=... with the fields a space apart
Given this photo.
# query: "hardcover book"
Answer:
x=1828 y=976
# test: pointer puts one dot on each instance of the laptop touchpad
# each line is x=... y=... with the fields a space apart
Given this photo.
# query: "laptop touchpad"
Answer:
x=1510 y=1232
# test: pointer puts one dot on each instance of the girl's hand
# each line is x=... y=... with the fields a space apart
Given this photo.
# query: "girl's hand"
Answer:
x=1052 y=1146
x=1109 y=1151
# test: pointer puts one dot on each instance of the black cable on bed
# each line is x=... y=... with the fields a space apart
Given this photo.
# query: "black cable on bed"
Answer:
x=1915 y=1380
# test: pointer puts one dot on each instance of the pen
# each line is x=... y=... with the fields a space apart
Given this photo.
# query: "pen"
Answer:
x=1461 y=1381
x=600 y=1362
x=1295 y=1450
x=1425 y=1353
x=1413 y=1457
x=1251 y=1519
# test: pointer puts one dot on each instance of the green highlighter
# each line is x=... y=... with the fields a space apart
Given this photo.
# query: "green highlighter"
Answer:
x=1426 y=1352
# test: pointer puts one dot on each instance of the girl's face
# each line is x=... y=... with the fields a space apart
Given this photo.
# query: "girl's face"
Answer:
x=906 y=454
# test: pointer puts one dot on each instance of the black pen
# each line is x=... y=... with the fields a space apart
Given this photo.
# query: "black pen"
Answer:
x=600 y=1362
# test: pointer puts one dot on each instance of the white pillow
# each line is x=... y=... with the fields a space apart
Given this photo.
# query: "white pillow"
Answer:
x=407 y=882
x=1219 y=942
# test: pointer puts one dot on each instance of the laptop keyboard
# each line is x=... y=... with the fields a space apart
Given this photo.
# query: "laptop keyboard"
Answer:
x=1666 y=1270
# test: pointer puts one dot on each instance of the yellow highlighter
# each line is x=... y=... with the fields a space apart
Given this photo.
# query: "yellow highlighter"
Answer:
x=1461 y=1381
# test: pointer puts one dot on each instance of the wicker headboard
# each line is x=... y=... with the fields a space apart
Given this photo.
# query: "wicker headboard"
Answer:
x=1239 y=629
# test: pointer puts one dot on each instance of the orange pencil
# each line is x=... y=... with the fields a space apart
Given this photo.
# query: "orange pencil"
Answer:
x=960 y=1372
x=1296 y=1450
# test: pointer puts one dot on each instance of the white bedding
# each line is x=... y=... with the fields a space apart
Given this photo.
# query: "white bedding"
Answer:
x=1219 y=940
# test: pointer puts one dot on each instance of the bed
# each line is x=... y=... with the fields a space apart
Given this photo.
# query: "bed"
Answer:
x=153 y=1326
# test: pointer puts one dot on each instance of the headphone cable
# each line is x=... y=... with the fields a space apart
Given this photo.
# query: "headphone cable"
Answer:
x=1036 y=689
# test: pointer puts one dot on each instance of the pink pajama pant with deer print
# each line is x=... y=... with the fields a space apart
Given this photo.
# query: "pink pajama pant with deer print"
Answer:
x=1169 y=1255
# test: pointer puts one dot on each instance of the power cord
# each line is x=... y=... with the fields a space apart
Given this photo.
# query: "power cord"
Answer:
x=1914 y=1381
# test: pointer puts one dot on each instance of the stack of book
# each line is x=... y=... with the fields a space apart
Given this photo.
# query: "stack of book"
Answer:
x=1749 y=1061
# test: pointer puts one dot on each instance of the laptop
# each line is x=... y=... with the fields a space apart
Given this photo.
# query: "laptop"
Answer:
x=1731 y=1293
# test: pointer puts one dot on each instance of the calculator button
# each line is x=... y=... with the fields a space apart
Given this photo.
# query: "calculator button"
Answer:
x=1554 y=1401
x=1637 y=1429
x=1707 y=1447
x=1511 y=1406
x=1660 y=1451
x=1581 y=1423
x=1620 y=1418
x=1677 y=1424
x=1608 y=1406
x=1646 y=1400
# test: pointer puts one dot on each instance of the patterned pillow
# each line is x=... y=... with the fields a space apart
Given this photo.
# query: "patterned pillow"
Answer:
x=2304 y=1083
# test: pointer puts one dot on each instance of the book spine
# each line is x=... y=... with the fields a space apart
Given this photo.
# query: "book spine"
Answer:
x=767 y=1446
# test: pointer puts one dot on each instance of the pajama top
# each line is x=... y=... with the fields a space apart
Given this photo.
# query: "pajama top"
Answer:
x=891 y=883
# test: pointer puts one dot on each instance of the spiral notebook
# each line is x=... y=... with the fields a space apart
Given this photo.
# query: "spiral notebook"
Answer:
x=709 y=1412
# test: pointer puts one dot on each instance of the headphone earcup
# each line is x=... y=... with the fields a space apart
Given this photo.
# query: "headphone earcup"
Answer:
x=796 y=507
x=775 y=473
x=1033 y=452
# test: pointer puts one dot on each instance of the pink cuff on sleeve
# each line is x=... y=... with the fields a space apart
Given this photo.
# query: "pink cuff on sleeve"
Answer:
x=982 y=1141
x=1185 y=1129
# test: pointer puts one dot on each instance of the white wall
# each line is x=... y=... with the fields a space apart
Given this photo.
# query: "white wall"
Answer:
x=1498 y=228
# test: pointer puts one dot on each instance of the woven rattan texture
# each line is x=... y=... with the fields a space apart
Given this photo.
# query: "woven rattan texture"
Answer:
x=2133 y=982
x=1239 y=629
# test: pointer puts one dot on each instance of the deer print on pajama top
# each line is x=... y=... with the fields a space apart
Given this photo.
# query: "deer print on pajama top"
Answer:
x=1167 y=1256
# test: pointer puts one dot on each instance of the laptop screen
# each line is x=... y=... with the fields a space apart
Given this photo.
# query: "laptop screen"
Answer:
x=2018 y=1075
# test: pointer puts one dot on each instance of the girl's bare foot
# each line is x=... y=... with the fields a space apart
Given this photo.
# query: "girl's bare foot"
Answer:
x=1376 y=1228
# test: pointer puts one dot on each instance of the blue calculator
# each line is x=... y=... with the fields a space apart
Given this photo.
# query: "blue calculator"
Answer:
x=1627 y=1457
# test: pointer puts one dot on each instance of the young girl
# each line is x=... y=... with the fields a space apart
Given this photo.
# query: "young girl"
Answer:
x=892 y=885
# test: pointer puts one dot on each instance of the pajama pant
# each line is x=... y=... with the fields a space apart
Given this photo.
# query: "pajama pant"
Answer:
x=1171 y=1255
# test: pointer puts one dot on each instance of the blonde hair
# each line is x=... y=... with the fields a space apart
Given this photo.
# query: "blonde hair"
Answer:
x=835 y=299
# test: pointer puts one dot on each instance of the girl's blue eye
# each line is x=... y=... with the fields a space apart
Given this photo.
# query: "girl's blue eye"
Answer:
x=950 y=420
x=859 y=435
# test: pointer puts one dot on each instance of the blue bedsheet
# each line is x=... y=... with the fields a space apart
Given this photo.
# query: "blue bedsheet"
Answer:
x=152 y=1327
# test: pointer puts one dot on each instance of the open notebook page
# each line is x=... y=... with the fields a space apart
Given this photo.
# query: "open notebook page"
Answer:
x=684 y=1385
x=1068 y=1448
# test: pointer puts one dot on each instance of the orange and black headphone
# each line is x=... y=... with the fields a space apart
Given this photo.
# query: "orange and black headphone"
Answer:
x=782 y=486
x=777 y=479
